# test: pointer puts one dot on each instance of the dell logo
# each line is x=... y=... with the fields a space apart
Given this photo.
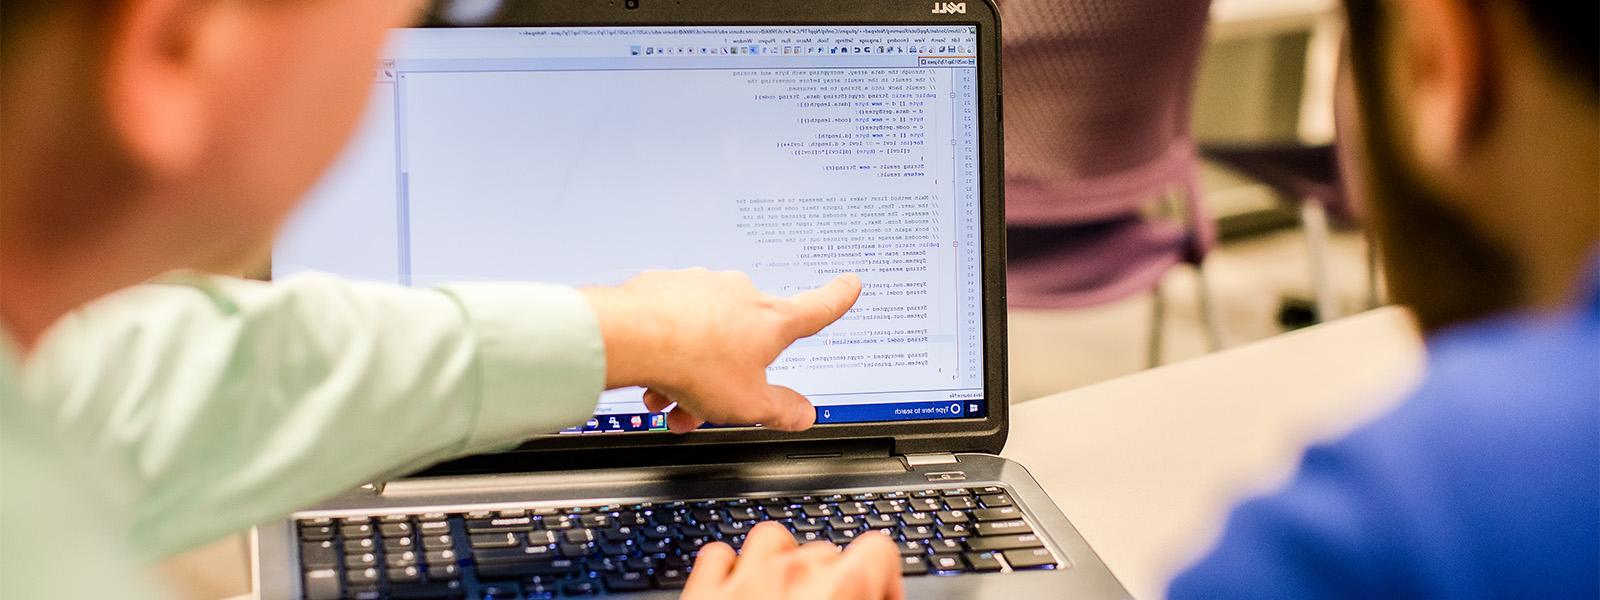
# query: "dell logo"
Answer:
x=949 y=8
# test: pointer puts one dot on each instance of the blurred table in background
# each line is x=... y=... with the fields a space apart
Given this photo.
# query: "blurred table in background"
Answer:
x=1147 y=466
x=1247 y=17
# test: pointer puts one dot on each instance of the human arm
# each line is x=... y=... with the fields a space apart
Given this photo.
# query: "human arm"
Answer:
x=231 y=402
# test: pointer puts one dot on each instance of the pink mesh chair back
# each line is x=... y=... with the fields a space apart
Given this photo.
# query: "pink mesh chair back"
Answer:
x=1097 y=101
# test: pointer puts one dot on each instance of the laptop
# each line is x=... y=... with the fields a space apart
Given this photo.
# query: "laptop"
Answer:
x=793 y=141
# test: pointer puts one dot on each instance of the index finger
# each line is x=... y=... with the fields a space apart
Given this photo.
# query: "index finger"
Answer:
x=819 y=308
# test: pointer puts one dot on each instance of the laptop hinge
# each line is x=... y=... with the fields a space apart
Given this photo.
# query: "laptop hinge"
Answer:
x=931 y=458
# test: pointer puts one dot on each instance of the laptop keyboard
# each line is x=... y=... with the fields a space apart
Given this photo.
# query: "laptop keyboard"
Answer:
x=545 y=552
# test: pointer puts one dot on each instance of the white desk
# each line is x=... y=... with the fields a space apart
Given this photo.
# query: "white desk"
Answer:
x=1147 y=466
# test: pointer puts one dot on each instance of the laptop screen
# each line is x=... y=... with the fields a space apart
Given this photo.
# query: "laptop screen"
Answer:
x=587 y=155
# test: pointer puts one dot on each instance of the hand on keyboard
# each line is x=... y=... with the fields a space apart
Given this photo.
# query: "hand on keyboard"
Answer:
x=772 y=566
x=704 y=340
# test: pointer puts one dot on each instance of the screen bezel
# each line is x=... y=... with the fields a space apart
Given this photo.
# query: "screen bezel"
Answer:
x=985 y=434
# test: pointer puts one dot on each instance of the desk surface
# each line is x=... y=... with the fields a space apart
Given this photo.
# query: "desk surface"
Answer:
x=1147 y=466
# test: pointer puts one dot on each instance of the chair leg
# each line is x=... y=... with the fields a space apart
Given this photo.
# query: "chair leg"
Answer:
x=1374 y=275
x=1212 y=320
x=1314 y=221
x=1158 y=319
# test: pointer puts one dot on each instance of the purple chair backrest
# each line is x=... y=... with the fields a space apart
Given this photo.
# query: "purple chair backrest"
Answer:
x=1097 y=102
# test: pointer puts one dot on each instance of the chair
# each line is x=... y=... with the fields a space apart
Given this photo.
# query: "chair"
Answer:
x=1312 y=175
x=1097 y=96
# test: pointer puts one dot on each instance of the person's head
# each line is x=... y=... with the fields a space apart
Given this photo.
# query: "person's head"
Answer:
x=1480 y=148
x=146 y=135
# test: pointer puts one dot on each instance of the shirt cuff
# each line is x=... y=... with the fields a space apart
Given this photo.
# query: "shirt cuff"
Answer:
x=541 y=359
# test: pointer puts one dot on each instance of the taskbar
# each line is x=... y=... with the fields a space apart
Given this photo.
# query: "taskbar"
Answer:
x=972 y=408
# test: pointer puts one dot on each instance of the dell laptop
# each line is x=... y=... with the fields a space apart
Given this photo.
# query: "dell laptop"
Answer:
x=790 y=140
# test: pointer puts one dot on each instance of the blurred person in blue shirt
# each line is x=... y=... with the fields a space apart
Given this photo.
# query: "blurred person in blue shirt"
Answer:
x=1479 y=141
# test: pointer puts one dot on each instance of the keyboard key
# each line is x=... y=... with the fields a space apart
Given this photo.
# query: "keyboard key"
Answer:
x=438 y=590
x=955 y=531
x=352 y=546
x=913 y=565
x=846 y=522
x=918 y=533
x=322 y=584
x=399 y=544
x=627 y=581
x=499 y=525
x=1035 y=558
x=403 y=558
x=494 y=540
x=580 y=588
x=352 y=530
x=505 y=555
x=441 y=572
x=880 y=521
x=914 y=519
x=406 y=574
x=360 y=561
x=579 y=536
x=960 y=503
x=995 y=500
x=572 y=550
x=853 y=508
x=1003 y=527
x=817 y=511
x=982 y=561
x=808 y=525
x=945 y=546
x=670 y=579
x=360 y=576
x=912 y=548
x=319 y=555
x=316 y=533
x=440 y=557
x=948 y=563
x=513 y=570
x=997 y=514
x=1004 y=542
x=990 y=489
x=957 y=492
x=951 y=516
x=438 y=542
x=888 y=507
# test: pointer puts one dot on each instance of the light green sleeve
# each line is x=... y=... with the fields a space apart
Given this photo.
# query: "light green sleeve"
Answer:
x=233 y=402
